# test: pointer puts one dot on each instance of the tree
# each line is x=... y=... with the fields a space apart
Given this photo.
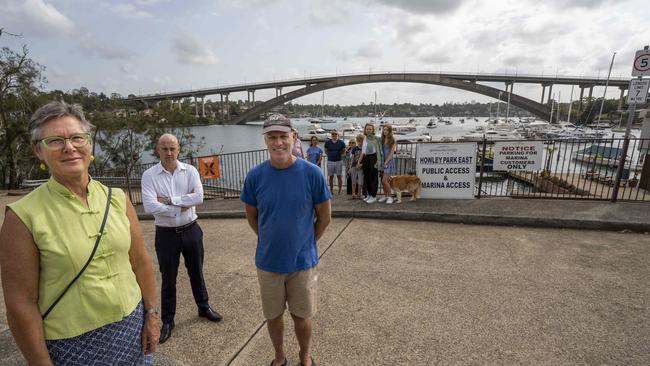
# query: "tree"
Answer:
x=177 y=123
x=20 y=82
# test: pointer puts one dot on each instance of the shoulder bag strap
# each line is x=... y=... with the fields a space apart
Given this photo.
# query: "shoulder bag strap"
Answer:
x=90 y=258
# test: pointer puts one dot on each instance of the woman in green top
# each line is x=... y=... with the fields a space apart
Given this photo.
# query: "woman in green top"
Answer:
x=108 y=315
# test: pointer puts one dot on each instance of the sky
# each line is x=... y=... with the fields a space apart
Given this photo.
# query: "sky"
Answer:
x=153 y=46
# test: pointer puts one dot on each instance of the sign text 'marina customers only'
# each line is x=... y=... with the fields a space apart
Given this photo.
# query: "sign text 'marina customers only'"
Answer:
x=518 y=155
x=447 y=171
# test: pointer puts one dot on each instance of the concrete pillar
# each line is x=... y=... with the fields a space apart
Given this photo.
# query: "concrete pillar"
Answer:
x=253 y=93
x=221 y=107
x=620 y=99
x=180 y=104
x=591 y=91
x=278 y=91
x=196 y=108
x=550 y=89
x=227 y=107
x=582 y=92
x=509 y=86
x=203 y=106
x=543 y=93
x=248 y=100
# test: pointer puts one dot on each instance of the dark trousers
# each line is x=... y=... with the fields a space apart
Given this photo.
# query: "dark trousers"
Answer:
x=170 y=244
x=370 y=175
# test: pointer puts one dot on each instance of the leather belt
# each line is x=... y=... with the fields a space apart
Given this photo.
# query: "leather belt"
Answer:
x=177 y=229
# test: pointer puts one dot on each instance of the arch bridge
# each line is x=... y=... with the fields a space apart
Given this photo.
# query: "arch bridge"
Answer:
x=468 y=82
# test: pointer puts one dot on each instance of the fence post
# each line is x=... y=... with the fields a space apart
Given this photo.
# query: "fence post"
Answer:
x=626 y=144
x=480 y=176
x=128 y=182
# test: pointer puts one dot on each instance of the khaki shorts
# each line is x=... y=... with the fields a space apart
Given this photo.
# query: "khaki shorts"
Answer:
x=296 y=288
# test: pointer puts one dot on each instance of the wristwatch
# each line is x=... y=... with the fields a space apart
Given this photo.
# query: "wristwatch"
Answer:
x=168 y=200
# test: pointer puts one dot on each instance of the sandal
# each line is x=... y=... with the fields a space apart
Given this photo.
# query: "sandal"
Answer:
x=284 y=364
x=312 y=362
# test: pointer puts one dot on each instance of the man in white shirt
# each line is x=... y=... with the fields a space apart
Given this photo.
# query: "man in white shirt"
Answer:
x=170 y=191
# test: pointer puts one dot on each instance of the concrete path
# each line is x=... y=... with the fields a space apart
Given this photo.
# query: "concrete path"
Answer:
x=571 y=214
x=420 y=292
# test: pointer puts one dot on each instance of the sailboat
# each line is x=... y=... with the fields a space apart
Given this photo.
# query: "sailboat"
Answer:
x=379 y=115
x=322 y=118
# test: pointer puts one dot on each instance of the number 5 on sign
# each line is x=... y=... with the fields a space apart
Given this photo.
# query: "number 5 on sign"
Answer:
x=641 y=63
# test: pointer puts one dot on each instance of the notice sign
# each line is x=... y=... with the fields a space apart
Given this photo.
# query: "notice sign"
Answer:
x=209 y=167
x=520 y=155
x=447 y=170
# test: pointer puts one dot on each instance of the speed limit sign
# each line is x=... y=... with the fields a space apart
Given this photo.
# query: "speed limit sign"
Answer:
x=641 y=63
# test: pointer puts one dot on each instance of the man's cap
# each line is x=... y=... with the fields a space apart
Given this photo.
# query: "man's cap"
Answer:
x=277 y=122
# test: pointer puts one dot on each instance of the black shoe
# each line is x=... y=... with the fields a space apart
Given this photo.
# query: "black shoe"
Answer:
x=210 y=314
x=166 y=332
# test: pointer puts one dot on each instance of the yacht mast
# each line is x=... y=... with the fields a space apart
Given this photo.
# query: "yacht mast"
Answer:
x=606 y=84
x=559 y=103
x=376 y=104
x=568 y=117
x=550 y=121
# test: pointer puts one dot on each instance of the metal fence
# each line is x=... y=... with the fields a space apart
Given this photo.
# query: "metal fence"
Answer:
x=572 y=169
x=233 y=168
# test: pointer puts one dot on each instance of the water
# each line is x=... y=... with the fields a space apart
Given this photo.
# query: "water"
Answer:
x=221 y=139
x=230 y=139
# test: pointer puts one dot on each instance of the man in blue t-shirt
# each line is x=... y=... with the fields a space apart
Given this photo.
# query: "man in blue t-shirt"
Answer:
x=334 y=149
x=288 y=207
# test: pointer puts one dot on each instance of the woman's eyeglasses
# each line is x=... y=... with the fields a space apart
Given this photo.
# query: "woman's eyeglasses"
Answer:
x=54 y=143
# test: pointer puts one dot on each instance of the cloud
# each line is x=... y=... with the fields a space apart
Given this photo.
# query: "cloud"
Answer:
x=408 y=30
x=369 y=51
x=190 y=51
x=580 y=3
x=340 y=55
x=328 y=13
x=516 y=60
x=36 y=17
x=434 y=58
x=239 y=4
x=150 y=2
x=125 y=69
x=423 y=6
x=90 y=46
x=128 y=11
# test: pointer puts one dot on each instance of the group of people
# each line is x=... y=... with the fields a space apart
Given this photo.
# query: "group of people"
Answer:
x=366 y=161
x=78 y=281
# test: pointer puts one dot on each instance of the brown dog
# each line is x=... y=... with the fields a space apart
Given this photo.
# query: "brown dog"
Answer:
x=405 y=183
